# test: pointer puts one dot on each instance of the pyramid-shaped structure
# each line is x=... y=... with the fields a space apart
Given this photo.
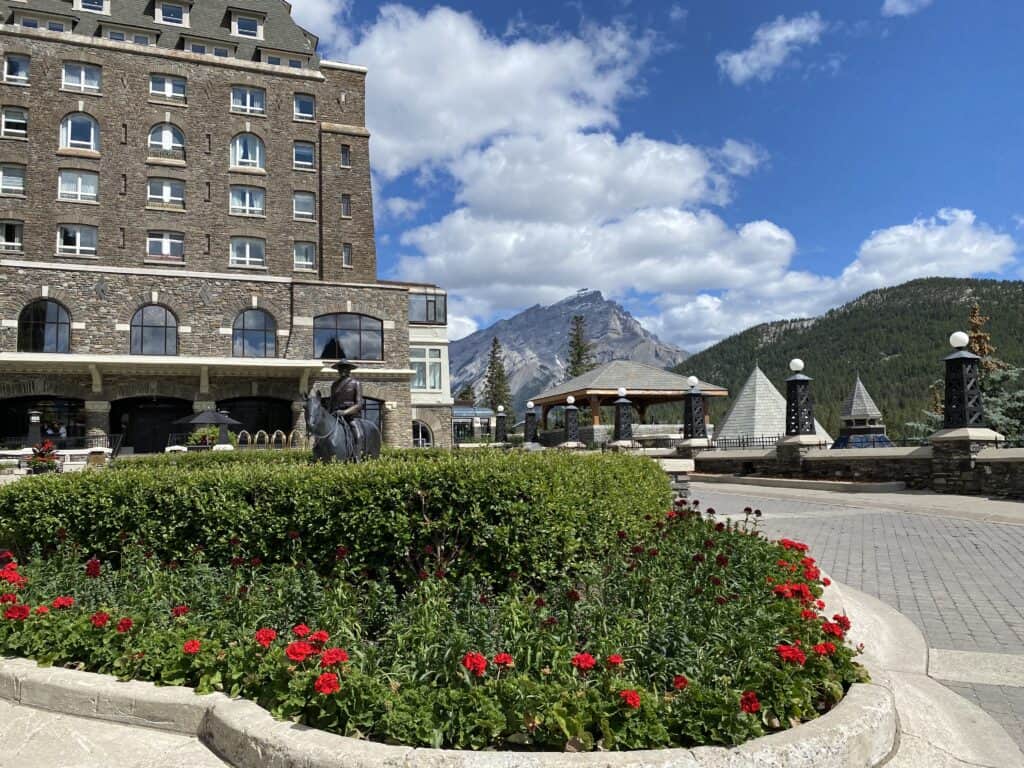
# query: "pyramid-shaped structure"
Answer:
x=758 y=412
x=859 y=404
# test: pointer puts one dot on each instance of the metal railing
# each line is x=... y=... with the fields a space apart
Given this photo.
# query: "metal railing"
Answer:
x=739 y=443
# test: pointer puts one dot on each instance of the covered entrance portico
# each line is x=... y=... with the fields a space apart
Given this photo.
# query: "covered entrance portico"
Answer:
x=146 y=422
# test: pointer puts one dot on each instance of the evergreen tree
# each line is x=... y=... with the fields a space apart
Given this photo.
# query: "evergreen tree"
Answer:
x=466 y=394
x=496 y=389
x=981 y=341
x=581 y=351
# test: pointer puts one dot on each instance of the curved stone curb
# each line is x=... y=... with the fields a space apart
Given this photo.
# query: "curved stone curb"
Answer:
x=860 y=731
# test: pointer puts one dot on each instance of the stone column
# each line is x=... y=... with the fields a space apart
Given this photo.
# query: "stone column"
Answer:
x=801 y=435
x=97 y=423
x=298 y=423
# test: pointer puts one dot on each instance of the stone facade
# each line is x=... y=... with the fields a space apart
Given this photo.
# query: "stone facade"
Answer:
x=204 y=290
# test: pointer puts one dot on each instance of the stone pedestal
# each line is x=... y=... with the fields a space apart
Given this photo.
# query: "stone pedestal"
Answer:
x=97 y=422
x=690 y=447
x=790 y=452
x=954 y=455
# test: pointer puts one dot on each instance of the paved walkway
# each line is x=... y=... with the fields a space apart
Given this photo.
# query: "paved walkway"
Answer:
x=942 y=561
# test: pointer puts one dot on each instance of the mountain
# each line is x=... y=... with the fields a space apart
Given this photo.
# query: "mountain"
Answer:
x=894 y=337
x=536 y=345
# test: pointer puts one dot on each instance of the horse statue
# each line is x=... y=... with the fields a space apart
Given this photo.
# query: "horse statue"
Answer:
x=336 y=439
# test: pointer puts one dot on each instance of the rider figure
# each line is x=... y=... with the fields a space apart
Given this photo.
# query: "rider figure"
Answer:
x=346 y=400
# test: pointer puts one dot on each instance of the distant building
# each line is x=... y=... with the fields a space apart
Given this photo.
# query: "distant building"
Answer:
x=758 y=416
x=862 y=421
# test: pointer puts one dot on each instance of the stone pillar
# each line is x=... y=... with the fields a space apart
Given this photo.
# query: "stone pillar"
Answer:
x=298 y=422
x=501 y=425
x=695 y=426
x=97 y=422
x=800 y=431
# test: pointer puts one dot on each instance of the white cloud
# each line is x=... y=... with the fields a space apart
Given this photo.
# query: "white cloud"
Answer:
x=402 y=207
x=773 y=43
x=677 y=14
x=327 y=20
x=904 y=7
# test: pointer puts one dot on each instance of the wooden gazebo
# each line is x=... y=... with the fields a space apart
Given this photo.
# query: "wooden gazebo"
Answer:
x=645 y=385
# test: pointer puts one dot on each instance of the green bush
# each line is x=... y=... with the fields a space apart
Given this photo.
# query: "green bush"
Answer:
x=497 y=514
x=201 y=459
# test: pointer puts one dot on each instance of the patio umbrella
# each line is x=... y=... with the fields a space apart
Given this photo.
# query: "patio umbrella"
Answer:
x=207 y=418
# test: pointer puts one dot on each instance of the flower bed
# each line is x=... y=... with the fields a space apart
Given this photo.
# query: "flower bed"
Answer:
x=684 y=632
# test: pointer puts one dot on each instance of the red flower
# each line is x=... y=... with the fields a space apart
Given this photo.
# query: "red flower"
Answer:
x=843 y=621
x=540 y=602
x=504 y=660
x=64 y=601
x=237 y=562
x=333 y=656
x=636 y=549
x=653 y=552
x=749 y=703
x=584 y=662
x=621 y=534
x=573 y=596
x=42 y=610
x=265 y=637
x=327 y=684
x=794 y=545
x=791 y=654
x=8 y=597
x=92 y=568
x=320 y=637
x=615 y=660
x=698 y=558
x=825 y=649
x=827 y=581
x=819 y=604
x=721 y=560
x=9 y=573
x=423 y=575
x=341 y=553
x=124 y=625
x=550 y=621
x=679 y=682
x=808 y=614
x=299 y=651
x=178 y=611
x=832 y=629
x=300 y=630
x=99 y=619
x=17 y=612
x=790 y=590
x=191 y=647
x=475 y=662
x=630 y=698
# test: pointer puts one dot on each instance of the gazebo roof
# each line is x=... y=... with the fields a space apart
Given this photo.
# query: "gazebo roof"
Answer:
x=640 y=380
x=859 y=404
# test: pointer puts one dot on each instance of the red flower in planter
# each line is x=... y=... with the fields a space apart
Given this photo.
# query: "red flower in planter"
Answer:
x=327 y=684
x=621 y=534
x=636 y=549
x=64 y=601
x=8 y=597
x=100 y=619
x=504 y=660
x=808 y=615
x=9 y=573
x=584 y=662
x=830 y=628
x=819 y=604
x=475 y=662
x=42 y=610
x=299 y=651
x=300 y=630
x=17 y=613
x=265 y=637
x=333 y=656
x=320 y=637
x=540 y=602
x=827 y=581
x=825 y=649
x=92 y=568
x=125 y=625
x=630 y=698
x=679 y=682
x=794 y=545
x=178 y=611
x=749 y=703
x=843 y=621
x=191 y=647
x=791 y=654
x=721 y=561
x=573 y=596
x=615 y=660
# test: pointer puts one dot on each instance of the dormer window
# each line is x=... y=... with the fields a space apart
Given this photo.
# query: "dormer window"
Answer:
x=93 y=6
x=175 y=14
x=125 y=35
x=244 y=25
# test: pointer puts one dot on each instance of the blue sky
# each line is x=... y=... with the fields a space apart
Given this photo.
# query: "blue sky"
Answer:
x=709 y=164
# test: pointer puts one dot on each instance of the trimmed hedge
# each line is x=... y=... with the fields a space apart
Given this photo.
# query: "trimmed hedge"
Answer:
x=499 y=515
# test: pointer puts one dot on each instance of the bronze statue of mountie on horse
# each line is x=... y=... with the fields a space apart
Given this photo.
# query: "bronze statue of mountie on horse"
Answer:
x=335 y=423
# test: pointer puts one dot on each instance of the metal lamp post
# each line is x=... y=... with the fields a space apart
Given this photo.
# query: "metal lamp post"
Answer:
x=572 y=422
x=694 y=425
x=501 y=425
x=799 y=402
x=623 y=418
x=963 y=406
x=530 y=424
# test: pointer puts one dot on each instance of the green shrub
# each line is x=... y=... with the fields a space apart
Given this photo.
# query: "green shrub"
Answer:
x=201 y=459
x=482 y=512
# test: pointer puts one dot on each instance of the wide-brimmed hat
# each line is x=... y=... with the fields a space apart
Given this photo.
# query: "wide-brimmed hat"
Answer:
x=345 y=363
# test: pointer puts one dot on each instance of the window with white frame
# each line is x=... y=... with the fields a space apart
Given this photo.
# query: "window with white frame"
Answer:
x=243 y=25
x=223 y=52
x=247 y=151
x=93 y=6
x=117 y=35
x=168 y=87
x=78 y=186
x=14 y=123
x=10 y=237
x=250 y=101
x=346 y=254
x=76 y=240
x=426 y=362
x=346 y=156
x=80 y=131
x=172 y=13
x=275 y=60
x=124 y=35
x=304 y=255
x=12 y=179
x=86 y=78
x=304 y=155
x=165 y=246
x=304 y=206
x=305 y=107
x=195 y=47
x=248 y=252
x=28 y=22
x=166 y=137
x=346 y=206
x=248 y=201
x=55 y=26
x=16 y=69
x=166 y=193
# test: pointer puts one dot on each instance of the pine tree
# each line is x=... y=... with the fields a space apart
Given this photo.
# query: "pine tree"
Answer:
x=981 y=341
x=581 y=351
x=496 y=389
x=466 y=394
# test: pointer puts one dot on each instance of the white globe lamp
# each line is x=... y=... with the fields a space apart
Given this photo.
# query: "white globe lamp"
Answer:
x=570 y=400
x=959 y=340
x=529 y=405
x=622 y=391
x=796 y=365
x=693 y=381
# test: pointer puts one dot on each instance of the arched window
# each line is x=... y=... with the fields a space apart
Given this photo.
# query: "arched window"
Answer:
x=357 y=337
x=254 y=334
x=44 y=326
x=167 y=137
x=247 y=151
x=80 y=131
x=154 y=331
x=422 y=437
